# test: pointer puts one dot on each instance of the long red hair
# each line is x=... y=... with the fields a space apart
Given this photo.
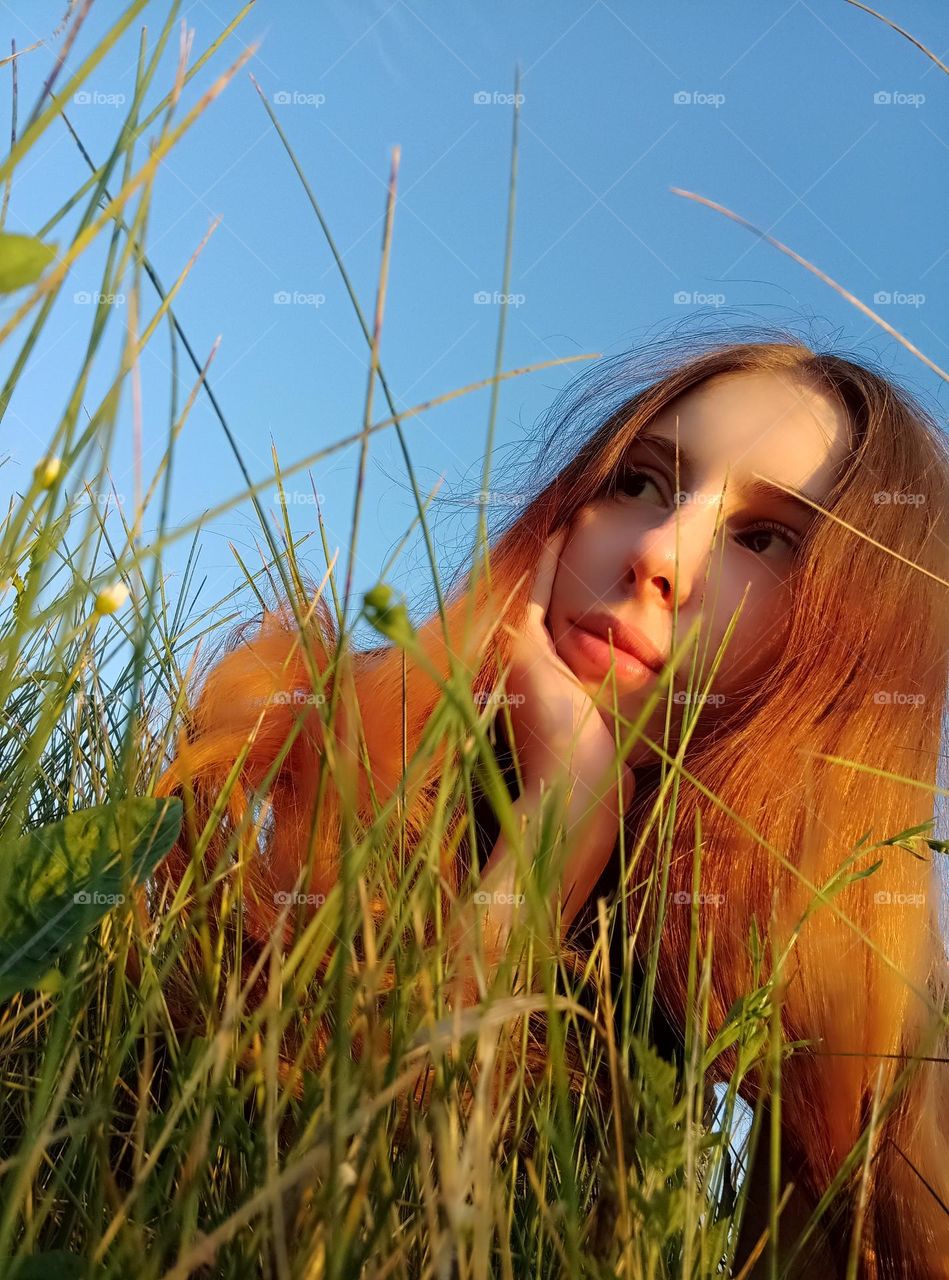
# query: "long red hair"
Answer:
x=840 y=740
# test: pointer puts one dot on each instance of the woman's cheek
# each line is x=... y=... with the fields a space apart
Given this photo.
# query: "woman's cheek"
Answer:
x=571 y=587
x=759 y=637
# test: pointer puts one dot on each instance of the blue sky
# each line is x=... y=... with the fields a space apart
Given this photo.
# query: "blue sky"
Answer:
x=771 y=110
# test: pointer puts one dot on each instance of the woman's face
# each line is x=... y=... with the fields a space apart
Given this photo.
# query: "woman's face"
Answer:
x=619 y=561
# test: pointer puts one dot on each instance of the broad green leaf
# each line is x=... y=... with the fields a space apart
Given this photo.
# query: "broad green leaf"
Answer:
x=23 y=259
x=58 y=881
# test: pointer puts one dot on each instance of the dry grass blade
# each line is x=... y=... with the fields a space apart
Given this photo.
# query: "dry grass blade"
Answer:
x=821 y=275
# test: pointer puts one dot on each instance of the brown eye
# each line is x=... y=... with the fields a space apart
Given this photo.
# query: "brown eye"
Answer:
x=632 y=482
x=766 y=538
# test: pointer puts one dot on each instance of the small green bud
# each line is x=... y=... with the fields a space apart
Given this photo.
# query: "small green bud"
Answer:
x=388 y=615
x=378 y=597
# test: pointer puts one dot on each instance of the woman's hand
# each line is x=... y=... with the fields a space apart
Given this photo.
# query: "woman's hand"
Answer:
x=560 y=734
x=557 y=725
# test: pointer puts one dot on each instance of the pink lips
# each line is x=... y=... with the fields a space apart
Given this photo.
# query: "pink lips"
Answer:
x=635 y=656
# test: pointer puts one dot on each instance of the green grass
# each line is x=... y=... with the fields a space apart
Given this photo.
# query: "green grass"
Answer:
x=132 y=1145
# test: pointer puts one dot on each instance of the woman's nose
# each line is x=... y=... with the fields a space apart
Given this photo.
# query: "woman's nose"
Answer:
x=667 y=564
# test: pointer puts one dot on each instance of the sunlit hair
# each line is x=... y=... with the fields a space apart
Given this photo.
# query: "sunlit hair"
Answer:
x=862 y=678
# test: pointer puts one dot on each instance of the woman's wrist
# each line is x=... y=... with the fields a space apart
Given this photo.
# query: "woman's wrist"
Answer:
x=591 y=817
x=588 y=760
x=597 y=794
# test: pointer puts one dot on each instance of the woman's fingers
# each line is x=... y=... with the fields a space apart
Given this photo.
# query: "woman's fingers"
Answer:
x=533 y=641
x=542 y=585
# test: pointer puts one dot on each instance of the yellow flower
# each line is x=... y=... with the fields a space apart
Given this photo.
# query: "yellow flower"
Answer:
x=111 y=598
x=46 y=471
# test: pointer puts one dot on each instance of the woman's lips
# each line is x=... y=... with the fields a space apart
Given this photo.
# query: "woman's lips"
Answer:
x=597 y=657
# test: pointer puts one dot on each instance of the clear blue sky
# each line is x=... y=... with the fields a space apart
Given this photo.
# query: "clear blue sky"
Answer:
x=783 y=127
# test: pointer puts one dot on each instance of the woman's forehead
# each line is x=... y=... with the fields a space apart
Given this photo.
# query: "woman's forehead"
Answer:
x=780 y=427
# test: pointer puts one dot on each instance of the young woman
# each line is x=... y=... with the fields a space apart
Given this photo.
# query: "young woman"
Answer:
x=787 y=510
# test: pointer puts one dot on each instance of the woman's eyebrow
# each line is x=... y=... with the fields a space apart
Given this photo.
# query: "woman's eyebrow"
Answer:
x=753 y=488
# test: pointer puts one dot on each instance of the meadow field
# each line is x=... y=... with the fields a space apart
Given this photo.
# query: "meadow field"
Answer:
x=179 y=1098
